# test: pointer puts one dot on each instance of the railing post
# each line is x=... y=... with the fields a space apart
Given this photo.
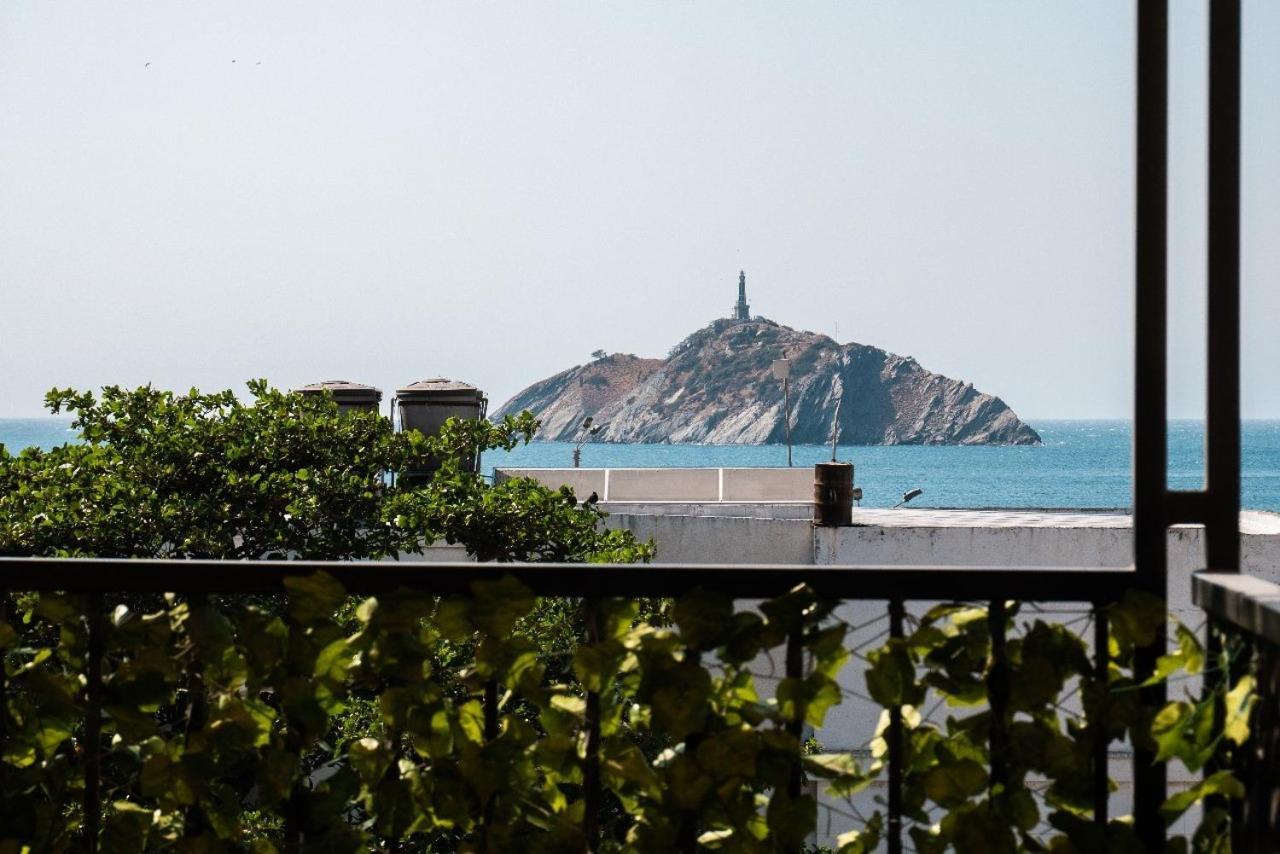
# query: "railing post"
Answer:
x=490 y=709
x=1150 y=428
x=1262 y=766
x=1101 y=743
x=490 y=734
x=197 y=716
x=998 y=698
x=795 y=727
x=93 y=725
x=591 y=759
x=293 y=816
x=896 y=742
x=687 y=836
x=1222 y=428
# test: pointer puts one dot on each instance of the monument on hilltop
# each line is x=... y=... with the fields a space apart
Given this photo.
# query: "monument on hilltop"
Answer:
x=742 y=311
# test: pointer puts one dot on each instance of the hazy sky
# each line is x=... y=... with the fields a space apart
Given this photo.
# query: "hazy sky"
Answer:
x=199 y=193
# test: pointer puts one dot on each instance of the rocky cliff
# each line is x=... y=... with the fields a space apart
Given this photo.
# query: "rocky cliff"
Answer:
x=716 y=387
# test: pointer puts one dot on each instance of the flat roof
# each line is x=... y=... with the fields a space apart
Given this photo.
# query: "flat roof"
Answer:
x=1255 y=522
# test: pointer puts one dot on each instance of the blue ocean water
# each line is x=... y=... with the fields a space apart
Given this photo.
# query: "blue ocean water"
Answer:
x=1081 y=463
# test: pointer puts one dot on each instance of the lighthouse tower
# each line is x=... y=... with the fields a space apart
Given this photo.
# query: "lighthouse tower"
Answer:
x=742 y=311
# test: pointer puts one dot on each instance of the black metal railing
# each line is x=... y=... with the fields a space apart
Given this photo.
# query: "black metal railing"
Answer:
x=1248 y=608
x=895 y=585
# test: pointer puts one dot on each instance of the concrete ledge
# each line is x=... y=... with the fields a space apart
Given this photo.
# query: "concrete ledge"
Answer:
x=677 y=485
x=583 y=482
x=1248 y=602
x=759 y=484
x=663 y=484
x=791 y=510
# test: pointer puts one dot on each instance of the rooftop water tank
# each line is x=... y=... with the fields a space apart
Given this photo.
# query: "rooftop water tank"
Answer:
x=425 y=406
x=346 y=394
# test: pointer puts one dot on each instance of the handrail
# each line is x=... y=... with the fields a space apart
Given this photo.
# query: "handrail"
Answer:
x=993 y=586
x=1245 y=601
x=750 y=581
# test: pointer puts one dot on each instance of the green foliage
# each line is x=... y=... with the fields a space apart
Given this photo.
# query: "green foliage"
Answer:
x=363 y=727
x=410 y=722
x=220 y=716
x=207 y=476
x=949 y=793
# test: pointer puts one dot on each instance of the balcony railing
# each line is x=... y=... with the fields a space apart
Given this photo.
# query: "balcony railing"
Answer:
x=106 y=584
x=1248 y=608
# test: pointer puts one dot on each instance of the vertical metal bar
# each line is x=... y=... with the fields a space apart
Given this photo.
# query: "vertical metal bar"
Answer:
x=294 y=814
x=93 y=725
x=1226 y=662
x=1149 y=421
x=490 y=709
x=786 y=393
x=197 y=714
x=490 y=733
x=998 y=697
x=1102 y=674
x=795 y=726
x=687 y=835
x=896 y=742
x=4 y=687
x=591 y=758
x=1212 y=681
x=1262 y=779
x=1222 y=433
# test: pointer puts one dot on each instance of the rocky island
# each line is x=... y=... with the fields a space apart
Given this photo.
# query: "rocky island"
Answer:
x=716 y=387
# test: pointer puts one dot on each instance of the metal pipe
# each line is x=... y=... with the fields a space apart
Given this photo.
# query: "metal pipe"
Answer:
x=1150 y=429
x=752 y=581
x=786 y=396
x=1222 y=428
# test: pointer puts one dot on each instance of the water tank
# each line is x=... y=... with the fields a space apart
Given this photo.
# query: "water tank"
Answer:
x=833 y=494
x=425 y=406
x=346 y=394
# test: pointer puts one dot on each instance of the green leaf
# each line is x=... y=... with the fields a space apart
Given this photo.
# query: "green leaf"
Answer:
x=891 y=678
x=791 y=819
x=951 y=783
x=1138 y=618
x=471 y=720
x=596 y=664
x=842 y=770
x=370 y=758
x=498 y=604
x=863 y=840
x=333 y=660
x=313 y=598
x=704 y=617
x=1240 y=701
x=1222 y=783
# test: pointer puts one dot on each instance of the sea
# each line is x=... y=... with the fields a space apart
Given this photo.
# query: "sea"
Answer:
x=1082 y=464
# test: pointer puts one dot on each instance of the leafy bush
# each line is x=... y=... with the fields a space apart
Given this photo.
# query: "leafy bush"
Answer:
x=208 y=476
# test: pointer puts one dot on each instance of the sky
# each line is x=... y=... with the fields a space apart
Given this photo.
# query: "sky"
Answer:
x=199 y=193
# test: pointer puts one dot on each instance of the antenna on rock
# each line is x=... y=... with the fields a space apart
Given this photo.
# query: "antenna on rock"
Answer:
x=835 y=428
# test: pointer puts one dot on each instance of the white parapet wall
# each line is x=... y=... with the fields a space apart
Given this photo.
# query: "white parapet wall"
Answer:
x=678 y=485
